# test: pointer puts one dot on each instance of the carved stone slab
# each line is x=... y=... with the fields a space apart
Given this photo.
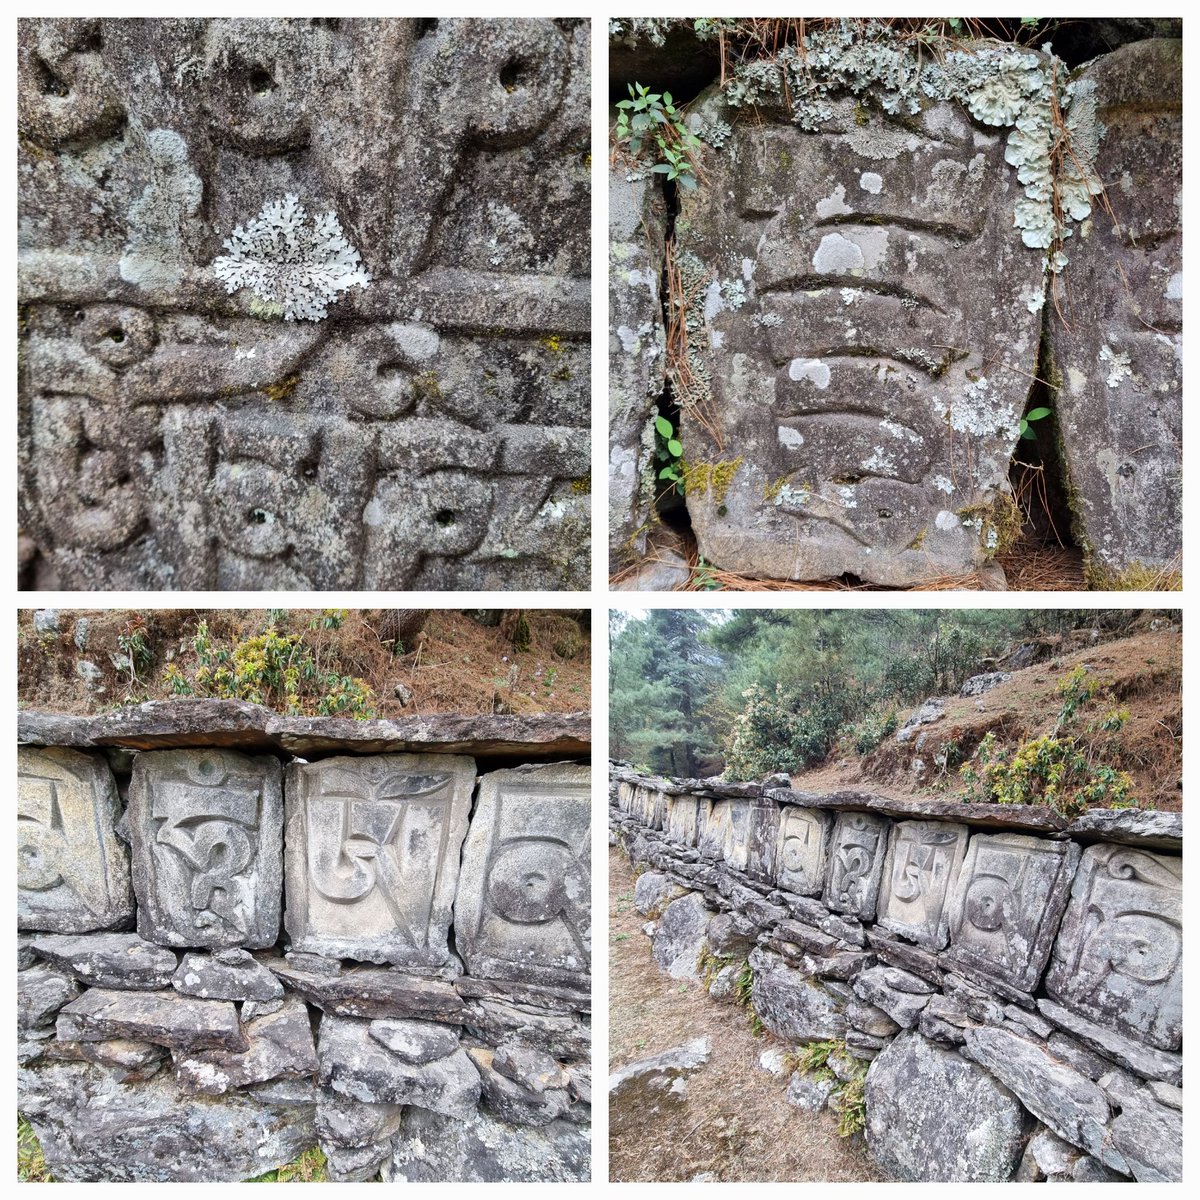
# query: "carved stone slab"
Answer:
x=802 y=850
x=682 y=815
x=763 y=839
x=72 y=871
x=373 y=849
x=736 y=824
x=179 y=429
x=863 y=323
x=206 y=827
x=711 y=840
x=523 y=909
x=922 y=865
x=1118 y=957
x=856 y=854
x=1004 y=911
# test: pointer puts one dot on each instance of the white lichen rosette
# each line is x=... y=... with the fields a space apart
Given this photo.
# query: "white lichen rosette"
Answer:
x=286 y=260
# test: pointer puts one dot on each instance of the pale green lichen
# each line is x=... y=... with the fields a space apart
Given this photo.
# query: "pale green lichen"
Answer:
x=1000 y=85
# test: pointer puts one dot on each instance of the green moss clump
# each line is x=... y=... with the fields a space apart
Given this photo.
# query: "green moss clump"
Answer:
x=1001 y=517
x=772 y=490
x=1137 y=577
x=919 y=540
x=715 y=477
x=283 y=389
x=861 y=116
x=581 y=487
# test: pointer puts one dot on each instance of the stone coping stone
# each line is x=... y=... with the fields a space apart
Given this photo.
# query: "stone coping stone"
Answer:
x=1135 y=827
x=161 y=724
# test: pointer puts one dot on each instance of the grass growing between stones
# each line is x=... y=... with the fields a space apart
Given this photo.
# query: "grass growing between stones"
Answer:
x=31 y=1164
x=309 y=1167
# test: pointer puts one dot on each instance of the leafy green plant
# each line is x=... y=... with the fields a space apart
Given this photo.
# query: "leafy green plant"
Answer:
x=31 y=1164
x=668 y=449
x=813 y=1059
x=872 y=729
x=704 y=576
x=1034 y=414
x=134 y=643
x=651 y=118
x=849 y=1104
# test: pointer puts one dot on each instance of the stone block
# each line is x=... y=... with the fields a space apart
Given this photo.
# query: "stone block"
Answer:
x=680 y=939
x=762 y=847
x=523 y=909
x=206 y=830
x=72 y=871
x=111 y=960
x=922 y=865
x=373 y=850
x=934 y=1117
x=1005 y=910
x=858 y=848
x=164 y=1018
x=682 y=816
x=1118 y=957
x=791 y=1005
x=802 y=850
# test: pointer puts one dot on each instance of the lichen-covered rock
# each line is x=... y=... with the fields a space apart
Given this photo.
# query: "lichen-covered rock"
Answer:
x=1116 y=337
x=637 y=344
x=862 y=327
x=306 y=306
x=481 y=1148
x=653 y=891
x=645 y=1085
x=679 y=940
x=165 y=1018
x=416 y=1042
x=93 y=1128
x=791 y=1005
x=233 y=974
x=41 y=992
x=129 y=1062
x=807 y=1093
x=1150 y=1138
x=934 y=1117
x=516 y=1100
x=111 y=960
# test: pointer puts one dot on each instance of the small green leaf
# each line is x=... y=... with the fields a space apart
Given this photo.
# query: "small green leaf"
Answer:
x=688 y=182
x=1028 y=434
x=675 y=447
x=1037 y=414
x=664 y=427
x=661 y=169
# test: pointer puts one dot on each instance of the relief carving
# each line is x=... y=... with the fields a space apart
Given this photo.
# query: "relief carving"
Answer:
x=803 y=849
x=922 y=866
x=856 y=855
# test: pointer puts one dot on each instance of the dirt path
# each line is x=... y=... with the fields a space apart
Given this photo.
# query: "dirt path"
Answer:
x=735 y=1124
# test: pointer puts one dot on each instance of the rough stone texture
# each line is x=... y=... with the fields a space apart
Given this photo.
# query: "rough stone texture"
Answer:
x=130 y=1062
x=803 y=850
x=206 y=831
x=1154 y=829
x=934 y=1117
x=653 y=892
x=1064 y=1100
x=355 y=1137
x=164 y=1018
x=416 y=1042
x=355 y=1064
x=682 y=817
x=564 y=1035
x=637 y=344
x=1006 y=907
x=679 y=939
x=791 y=1005
x=225 y=977
x=72 y=872
x=876 y=986
x=373 y=992
x=280 y=1043
x=1117 y=351
x=41 y=992
x=111 y=960
x=1118 y=958
x=830 y=273
x=523 y=909
x=923 y=862
x=858 y=847
x=1137 y=1056
x=237 y=725
x=1150 y=1137
x=431 y=432
x=644 y=1085
x=978 y=684
x=934 y=709
x=373 y=847
x=94 y=1128
x=480 y=1148
x=511 y=1100
x=808 y=1094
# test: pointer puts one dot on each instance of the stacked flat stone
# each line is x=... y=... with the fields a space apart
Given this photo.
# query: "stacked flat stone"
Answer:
x=384 y=954
x=1013 y=979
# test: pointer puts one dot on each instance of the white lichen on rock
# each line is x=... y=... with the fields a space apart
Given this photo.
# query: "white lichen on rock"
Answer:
x=979 y=413
x=1119 y=365
x=284 y=259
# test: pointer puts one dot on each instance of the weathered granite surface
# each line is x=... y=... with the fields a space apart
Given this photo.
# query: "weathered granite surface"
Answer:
x=306 y=305
x=1116 y=337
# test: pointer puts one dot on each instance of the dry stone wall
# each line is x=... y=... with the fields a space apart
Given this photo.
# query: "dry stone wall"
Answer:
x=1013 y=979
x=304 y=303
x=386 y=954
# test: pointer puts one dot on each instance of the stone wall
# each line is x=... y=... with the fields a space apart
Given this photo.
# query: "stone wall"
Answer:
x=304 y=303
x=229 y=952
x=1013 y=979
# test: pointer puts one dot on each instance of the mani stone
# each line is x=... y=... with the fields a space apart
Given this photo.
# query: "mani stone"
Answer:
x=679 y=940
x=1060 y=1097
x=1116 y=339
x=863 y=326
x=858 y=847
x=164 y=1018
x=206 y=828
x=355 y=1064
x=922 y=865
x=682 y=816
x=373 y=848
x=193 y=415
x=280 y=1043
x=72 y=871
x=791 y=1005
x=232 y=974
x=1006 y=907
x=94 y=1128
x=110 y=960
x=803 y=850
x=523 y=909
x=637 y=353
x=1118 y=958
x=481 y=1148
x=934 y=1117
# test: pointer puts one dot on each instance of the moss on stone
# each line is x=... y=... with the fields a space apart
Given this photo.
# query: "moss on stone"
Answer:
x=283 y=389
x=700 y=478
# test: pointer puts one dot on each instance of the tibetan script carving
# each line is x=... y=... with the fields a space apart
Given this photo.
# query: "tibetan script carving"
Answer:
x=922 y=865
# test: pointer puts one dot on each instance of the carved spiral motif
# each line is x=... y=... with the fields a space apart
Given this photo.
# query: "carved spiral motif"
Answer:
x=988 y=900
